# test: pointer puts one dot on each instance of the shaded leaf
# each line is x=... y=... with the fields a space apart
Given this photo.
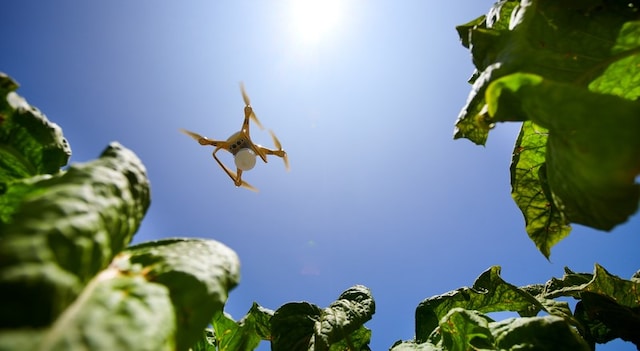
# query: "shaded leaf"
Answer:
x=604 y=319
x=584 y=46
x=115 y=312
x=624 y=292
x=609 y=306
x=353 y=308
x=622 y=76
x=206 y=343
x=199 y=275
x=303 y=326
x=64 y=230
x=292 y=326
x=489 y=293
x=565 y=40
x=591 y=161
x=29 y=144
x=463 y=330
x=537 y=333
x=246 y=334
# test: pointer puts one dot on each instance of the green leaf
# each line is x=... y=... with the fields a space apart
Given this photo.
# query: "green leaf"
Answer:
x=624 y=292
x=115 y=312
x=246 y=334
x=63 y=230
x=606 y=320
x=199 y=275
x=354 y=307
x=545 y=223
x=21 y=339
x=489 y=293
x=609 y=306
x=590 y=45
x=303 y=326
x=292 y=326
x=357 y=340
x=591 y=161
x=463 y=330
x=207 y=342
x=622 y=76
x=565 y=40
x=537 y=333
x=29 y=143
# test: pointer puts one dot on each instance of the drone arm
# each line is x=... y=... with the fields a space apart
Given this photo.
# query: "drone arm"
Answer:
x=280 y=153
x=204 y=140
x=267 y=151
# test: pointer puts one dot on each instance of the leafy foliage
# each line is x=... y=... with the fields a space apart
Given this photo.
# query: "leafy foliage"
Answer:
x=68 y=279
x=569 y=71
x=299 y=325
x=608 y=308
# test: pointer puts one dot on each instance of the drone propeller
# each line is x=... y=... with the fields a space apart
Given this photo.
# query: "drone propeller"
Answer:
x=247 y=103
x=195 y=136
x=276 y=142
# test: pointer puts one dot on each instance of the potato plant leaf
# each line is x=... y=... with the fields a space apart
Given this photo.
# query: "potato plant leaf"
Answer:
x=63 y=230
x=304 y=326
x=591 y=161
x=463 y=329
x=198 y=274
x=583 y=49
x=608 y=308
x=554 y=39
x=140 y=303
x=545 y=223
x=489 y=293
x=537 y=333
x=116 y=311
x=244 y=335
x=29 y=143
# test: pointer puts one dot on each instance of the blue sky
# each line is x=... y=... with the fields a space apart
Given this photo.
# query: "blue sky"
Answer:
x=378 y=193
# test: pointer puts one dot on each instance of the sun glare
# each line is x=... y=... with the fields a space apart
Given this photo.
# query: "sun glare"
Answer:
x=313 y=20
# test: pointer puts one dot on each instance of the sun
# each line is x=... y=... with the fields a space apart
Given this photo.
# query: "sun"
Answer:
x=315 y=20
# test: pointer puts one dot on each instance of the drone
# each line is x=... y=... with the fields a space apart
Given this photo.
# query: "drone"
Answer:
x=239 y=144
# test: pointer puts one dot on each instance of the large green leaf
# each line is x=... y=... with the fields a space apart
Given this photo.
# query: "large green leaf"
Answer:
x=155 y=296
x=244 y=335
x=199 y=275
x=585 y=46
x=624 y=292
x=545 y=223
x=116 y=311
x=29 y=143
x=537 y=333
x=489 y=293
x=63 y=230
x=304 y=326
x=563 y=39
x=608 y=308
x=463 y=330
x=592 y=149
x=604 y=319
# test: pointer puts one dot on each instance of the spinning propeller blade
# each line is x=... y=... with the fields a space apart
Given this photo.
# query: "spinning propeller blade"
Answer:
x=245 y=96
x=195 y=136
x=247 y=102
x=276 y=142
